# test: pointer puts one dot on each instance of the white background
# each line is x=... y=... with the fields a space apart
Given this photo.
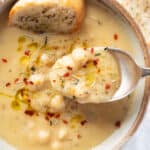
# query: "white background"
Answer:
x=141 y=139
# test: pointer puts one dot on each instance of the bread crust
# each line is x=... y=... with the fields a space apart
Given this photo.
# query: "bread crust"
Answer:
x=140 y=10
x=78 y=6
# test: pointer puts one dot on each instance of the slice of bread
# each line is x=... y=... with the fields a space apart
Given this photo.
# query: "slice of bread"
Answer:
x=61 y=16
x=140 y=11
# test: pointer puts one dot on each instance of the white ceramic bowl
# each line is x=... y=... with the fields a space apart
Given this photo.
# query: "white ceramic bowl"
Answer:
x=141 y=94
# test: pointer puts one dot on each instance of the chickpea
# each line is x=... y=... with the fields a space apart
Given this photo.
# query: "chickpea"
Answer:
x=55 y=145
x=39 y=82
x=68 y=61
x=37 y=79
x=80 y=56
x=41 y=100
x=29 y=125
x=62 y=133
x=57 y=103
x=47 y=59
x=39 y=136
x=44 y=136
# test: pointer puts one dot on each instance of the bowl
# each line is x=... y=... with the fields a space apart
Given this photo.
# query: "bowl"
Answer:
x=141 y=94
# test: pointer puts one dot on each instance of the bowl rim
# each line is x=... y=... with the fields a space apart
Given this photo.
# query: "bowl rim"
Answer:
x=123 y=12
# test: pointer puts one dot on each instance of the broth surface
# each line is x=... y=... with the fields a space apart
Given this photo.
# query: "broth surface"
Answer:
x=22 y=124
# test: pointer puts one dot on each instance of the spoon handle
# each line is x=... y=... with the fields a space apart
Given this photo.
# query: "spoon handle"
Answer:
x=145 y=72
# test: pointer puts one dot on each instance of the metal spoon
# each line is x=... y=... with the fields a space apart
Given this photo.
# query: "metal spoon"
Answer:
x=131 y=73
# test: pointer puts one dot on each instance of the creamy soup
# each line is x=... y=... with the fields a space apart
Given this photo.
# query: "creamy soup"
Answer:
x=84 y=75
x=37 y=116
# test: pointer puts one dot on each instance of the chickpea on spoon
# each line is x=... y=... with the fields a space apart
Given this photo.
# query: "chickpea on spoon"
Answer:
x=85 y=76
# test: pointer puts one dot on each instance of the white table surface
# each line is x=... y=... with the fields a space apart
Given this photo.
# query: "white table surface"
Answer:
x=141 y=139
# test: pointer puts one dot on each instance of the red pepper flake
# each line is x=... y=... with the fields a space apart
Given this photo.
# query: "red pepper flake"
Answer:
x=30 y=82
x=25 y=81
x=8 y=84
x=50 y=114
x=65 y=121
x=84 y=66
x=46 y=118
x=118 y=124
x=115 y=36
x=69 y=68
x=67 y=74
x=57 y=115
x=29 y=101
x=83 y=122
x=16 y=80
x=95 y=62
x=78 y=136
x=4 y=60
x=92 y=50
x=84 y=49
x=27 y=53
x=107 y=86
x=29 y=112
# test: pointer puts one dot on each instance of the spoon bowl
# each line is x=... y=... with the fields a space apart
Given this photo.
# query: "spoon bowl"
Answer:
x=130 y=73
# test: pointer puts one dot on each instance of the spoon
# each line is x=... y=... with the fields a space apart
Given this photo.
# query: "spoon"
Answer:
x=130 y=72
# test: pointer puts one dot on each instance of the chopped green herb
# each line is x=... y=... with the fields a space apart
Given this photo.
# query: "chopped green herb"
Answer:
x=62 y=83
x=45 y=41
x=50 y=122
x=106 y=48
x=33 y=69
x=76 y=82
x=97 y=54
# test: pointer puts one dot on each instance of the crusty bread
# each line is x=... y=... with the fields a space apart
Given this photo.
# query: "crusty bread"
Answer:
x=140 y=11
x=62 y=16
